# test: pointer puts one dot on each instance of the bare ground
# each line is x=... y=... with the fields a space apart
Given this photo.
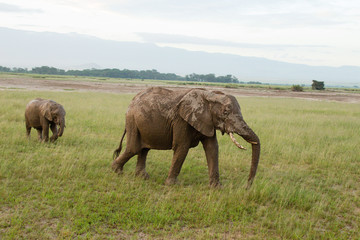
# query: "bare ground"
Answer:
x=29 y=83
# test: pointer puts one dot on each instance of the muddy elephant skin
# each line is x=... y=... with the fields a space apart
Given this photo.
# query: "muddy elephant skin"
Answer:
x=43 y=114
x=159 y=118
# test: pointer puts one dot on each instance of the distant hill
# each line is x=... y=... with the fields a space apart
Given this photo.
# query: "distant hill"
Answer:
x=74 y=51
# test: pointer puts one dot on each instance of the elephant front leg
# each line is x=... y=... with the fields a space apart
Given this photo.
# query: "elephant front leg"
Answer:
x=39 y=131
x=55 y=133
x=45 y=132
x=177 y=162
x=211 y=148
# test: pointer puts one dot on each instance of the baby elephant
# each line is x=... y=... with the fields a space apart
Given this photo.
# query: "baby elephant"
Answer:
x=42 y=114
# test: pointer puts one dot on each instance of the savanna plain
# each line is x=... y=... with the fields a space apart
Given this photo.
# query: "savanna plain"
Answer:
x=307 y=185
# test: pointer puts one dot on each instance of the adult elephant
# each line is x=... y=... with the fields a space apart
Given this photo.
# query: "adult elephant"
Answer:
x=159 y=118
x=43 y=114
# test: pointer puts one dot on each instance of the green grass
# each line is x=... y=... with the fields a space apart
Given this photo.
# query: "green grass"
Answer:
x=307 y=185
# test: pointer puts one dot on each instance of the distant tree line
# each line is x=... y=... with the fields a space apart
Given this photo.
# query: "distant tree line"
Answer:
x=110 y=73
x=211 y=78
x=126 y=73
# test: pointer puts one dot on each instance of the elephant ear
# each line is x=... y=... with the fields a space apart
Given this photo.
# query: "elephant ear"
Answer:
x=194 y=109
x=46 y=111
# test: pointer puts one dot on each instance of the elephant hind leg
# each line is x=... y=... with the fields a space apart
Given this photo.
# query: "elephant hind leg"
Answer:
x=119 y=162
x=28 y=131
x=141 y=164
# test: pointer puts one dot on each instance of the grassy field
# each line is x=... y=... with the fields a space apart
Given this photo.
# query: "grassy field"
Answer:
x=307 y=186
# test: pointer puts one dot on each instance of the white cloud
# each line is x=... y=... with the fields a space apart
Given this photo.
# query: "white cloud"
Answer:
x=11 y=8
x=276 y=29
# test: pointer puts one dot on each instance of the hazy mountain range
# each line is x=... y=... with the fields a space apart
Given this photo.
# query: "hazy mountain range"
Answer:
x=28 y=49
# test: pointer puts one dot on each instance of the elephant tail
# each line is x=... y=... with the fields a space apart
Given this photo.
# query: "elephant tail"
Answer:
x=118 y=150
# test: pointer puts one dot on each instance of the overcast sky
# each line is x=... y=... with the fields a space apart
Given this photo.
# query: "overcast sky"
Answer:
x=313 y=32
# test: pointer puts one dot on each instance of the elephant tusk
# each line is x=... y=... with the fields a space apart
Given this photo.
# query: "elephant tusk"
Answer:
x=235 y=142
x=255 y=143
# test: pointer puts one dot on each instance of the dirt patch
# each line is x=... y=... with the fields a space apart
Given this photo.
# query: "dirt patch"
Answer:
x=29 y=83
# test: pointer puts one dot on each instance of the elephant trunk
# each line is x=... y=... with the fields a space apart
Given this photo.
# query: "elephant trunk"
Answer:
x=62 y=126
x=247 y=133
x=254 y=162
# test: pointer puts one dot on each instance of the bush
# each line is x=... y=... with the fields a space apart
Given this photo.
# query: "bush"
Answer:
x=317 y=85
x=297 y=88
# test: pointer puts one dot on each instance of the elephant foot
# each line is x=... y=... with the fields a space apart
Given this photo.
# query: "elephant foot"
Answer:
x=214 y=180
x=215 y=184
x=116 y=168
x=250 y=181
x=143 y=174
x=170 y=181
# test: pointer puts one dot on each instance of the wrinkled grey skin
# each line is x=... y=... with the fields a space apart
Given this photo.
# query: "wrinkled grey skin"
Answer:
x=158 y=118
x=43 y=114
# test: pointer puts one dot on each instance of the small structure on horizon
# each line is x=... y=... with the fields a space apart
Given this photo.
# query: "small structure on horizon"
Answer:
x=317 y=85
